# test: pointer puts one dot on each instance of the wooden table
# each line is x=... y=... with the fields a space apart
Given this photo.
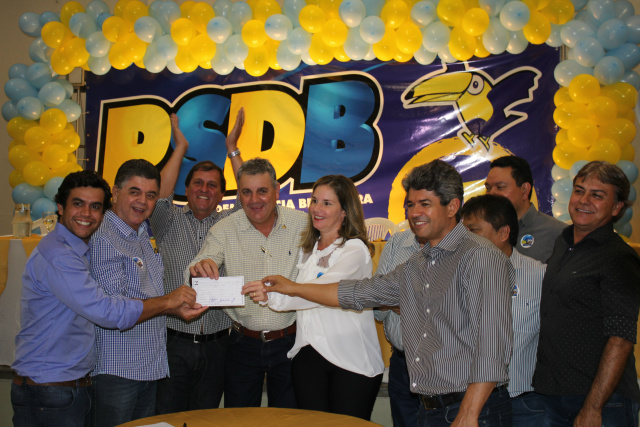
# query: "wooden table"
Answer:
x=250 y=417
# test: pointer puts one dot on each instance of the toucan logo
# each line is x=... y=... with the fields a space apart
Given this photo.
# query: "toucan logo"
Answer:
x=485 y=107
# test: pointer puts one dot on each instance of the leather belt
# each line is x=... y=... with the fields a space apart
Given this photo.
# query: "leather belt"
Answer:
x=80 y=382
x=439 y=401
x=265 y=336
x=198 y=338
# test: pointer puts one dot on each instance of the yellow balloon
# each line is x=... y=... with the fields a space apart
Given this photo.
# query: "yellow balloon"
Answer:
x=182 y=31
x=17 y=127
x=74 y=51
x=402 y=57
x=330 y=7
x=36 y=173
x=66 y=169
x=538 y=29
x=566 y=113
x=583 y=88
x=394 y=13
x=622 y=131
x=628 y=153
x=475 y=21
x=118 y=10
x=253 y=33
x=629 y=115
x=265 y=8
x=602 y=110
x=341 y=55
x=311 y=18
x=37 y=138
x=201 y=13
x=202 y=48
x=15 y=142
x=59 y=63
x=562 y=136
x=54 y=156
x=408 y=37
x=531 y=4
x=54 y=33
x=605 y=149
x=451 y=12
x=118 y=56
x=566 y=155
x=53 y=120
x=320 y=52
x=185 y=8
x=184 y=61
x=68 y=139
x=133 y=11
x=334 y=32
x=21 y=155
x=481 y=51
x=15 y=178
x=623 y=94
x=257 y=62
x=133 y=48
x=561 y=96
x=68 y=10
x=114 y=27
x=386 y=49
x=72 y=158
x=559 y=12
x=461 y=45
x=583 y=133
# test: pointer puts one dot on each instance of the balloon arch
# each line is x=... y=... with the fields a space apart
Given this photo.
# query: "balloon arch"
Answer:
x=594 y=105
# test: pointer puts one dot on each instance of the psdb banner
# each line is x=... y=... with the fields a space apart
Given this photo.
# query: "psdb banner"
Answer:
x=371 y=121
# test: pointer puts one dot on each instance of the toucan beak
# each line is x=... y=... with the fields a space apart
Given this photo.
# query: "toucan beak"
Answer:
x=442 y=88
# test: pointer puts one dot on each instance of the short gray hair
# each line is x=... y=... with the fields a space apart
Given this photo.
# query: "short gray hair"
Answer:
x=258 y=166
x=608 y=173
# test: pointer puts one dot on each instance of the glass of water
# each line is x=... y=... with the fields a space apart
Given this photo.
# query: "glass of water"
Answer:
x=49 y=220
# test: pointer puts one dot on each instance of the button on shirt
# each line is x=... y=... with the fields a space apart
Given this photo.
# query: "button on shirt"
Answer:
x=525 y=309
x=455 y=302
x=590 y=293
x=537 y=233
x=59 y=302
x=236 y=245
x=126 y=266
x=397 y=250
x=179 y=236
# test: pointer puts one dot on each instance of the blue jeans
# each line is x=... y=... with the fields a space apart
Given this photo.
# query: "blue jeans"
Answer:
x=617 y=412
x=404 y=403
x=495 y=412
x=528 y=410
x=196 y=375
x=248 y=361
x=119 y=400
x=42 y=406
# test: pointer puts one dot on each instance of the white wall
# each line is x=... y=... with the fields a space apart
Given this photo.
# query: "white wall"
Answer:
x=14 y=46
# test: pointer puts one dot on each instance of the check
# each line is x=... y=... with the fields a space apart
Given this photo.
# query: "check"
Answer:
x=224 y=292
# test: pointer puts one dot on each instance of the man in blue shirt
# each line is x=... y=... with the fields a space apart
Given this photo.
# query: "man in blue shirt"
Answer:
x=60 y=304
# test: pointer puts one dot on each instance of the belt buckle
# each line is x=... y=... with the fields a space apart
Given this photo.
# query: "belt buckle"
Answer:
x=195 y=339
x=263 y=337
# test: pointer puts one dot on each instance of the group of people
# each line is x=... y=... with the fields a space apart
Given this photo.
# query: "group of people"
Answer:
x=483 y=332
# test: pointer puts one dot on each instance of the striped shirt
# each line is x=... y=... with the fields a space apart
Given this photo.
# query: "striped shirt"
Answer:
x=236 y=245
x=525 y=309
x=179 y=236
x=455 y=304
x=398 y=249
x=125 y=265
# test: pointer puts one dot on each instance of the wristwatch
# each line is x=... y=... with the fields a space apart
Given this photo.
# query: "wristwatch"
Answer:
x=234 y=153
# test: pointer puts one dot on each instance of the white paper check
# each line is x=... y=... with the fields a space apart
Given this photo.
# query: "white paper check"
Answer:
x=224 y=292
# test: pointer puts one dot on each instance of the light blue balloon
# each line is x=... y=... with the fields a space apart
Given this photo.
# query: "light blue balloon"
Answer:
x=574 y=31
x=632 y=78
x=152 y=60
x=579 y=4
x=95 y=8
x=47 y=17
x=292 y=9
x=39 y=51
x=18 y=71
x=30 y=108
x=566 y=70
x=167 y=48
x=633 y=29
x=99 y=65
x=514 y=15
x=626 y=217
x=219 y=29
x=602 y=10
x=18 y=88
x=558 y=209
x=561 y=190
x=221 y=64
x=558 y=173
x=608 y=70
x=71 y=109
x=29 y=24
x=424 y=57
x=354 y=46
x=423 y=13
x=628 y=53
x=82 y=24
x=97 y=45
x=299 y=41
x=101 y=18
x=147 y=29
x=575 y=168
x=286 y=59
x=632 y=194
x=435 y=36
x=235 y=49
x=168 y=12
x=374 y=7
x=555 y=40
x=41 y=205
x=496 y=37
x=629 y=169
x=66 y=84
x=492 y=7
x=26 y=193
x=307 y=59
x=52 y=94
x=446 y=56
x=9 y=111
x=517 y=42
x=624 y=9
x=154 y=8
x=239 y=15
x=278 y=27
x=612 y=33
x=588 y=52
x=222 y=8
x=623 y=229
x=39 y=74
x=352 y=12
x=586 y=17
x=51 y=187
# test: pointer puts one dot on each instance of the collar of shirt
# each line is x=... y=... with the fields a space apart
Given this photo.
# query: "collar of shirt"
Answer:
x=528 y=216
x=245 y=224
x=75 y=243
x=516 y=259
x=449 y=243
x=124 y=228
x=599 y=235
x=411 y=243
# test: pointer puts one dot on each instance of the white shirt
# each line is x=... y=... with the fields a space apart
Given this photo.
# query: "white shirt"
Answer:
x=346 y=338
